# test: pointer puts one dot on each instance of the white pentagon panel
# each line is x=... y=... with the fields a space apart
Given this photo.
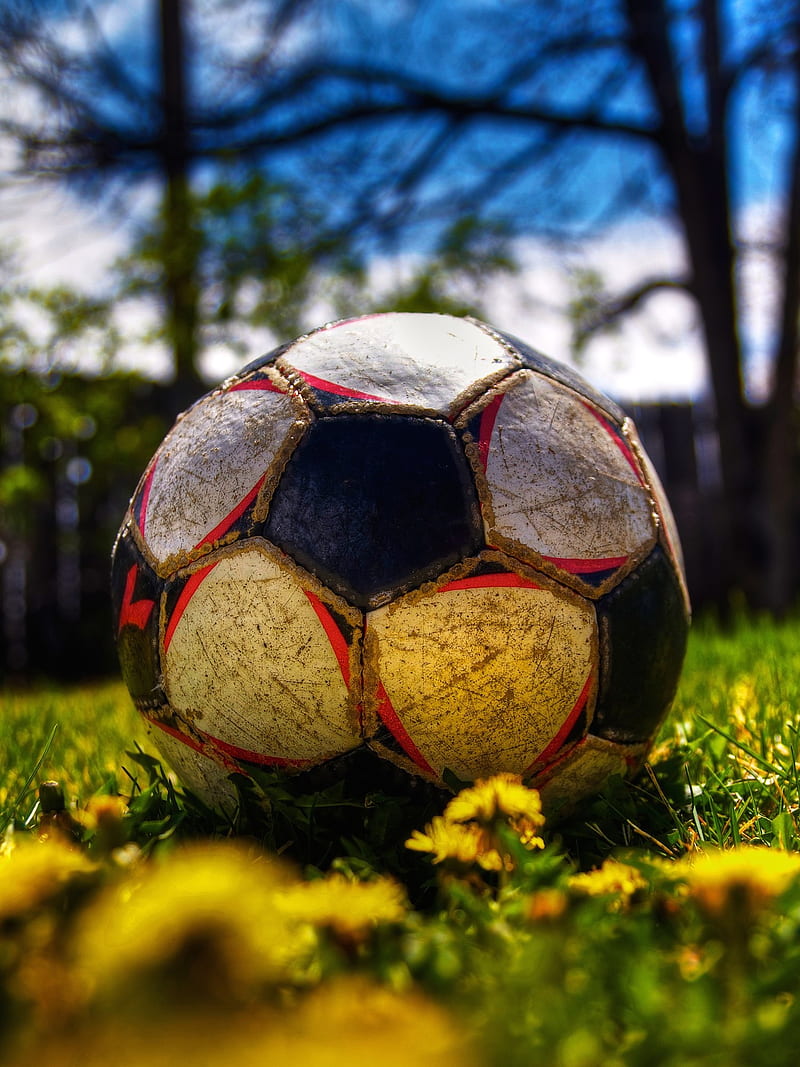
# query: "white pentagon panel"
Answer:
x=562 y=480
x=247 y=660
x=487 y=674
x=210 y=467
x=426 y=361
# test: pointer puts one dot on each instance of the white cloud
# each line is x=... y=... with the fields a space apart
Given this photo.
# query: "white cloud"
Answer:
x=654 y=353
x=58 y=240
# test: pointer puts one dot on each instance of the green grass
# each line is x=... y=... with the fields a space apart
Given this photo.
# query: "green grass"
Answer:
x=736 y=723
x=672 y=956
x=76 y=736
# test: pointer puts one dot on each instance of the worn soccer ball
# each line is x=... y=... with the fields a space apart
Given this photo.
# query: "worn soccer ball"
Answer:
x=408 y=534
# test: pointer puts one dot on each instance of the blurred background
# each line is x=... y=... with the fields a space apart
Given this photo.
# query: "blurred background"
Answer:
x=185 y=184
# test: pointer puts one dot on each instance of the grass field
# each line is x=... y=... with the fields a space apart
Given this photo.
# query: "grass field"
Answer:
x=659 y=925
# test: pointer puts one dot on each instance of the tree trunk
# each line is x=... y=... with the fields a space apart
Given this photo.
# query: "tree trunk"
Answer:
x=698 y=165
x=180 y=248
x=781 y=447
x=712 y=262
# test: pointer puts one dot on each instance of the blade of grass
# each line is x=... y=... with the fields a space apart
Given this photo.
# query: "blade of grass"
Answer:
x=741 y=745
x=8 y=816
x=695 y=814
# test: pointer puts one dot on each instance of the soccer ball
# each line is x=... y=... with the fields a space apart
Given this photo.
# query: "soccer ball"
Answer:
x=409 y=534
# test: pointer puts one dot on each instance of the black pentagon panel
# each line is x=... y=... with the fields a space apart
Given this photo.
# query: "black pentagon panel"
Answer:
x=643 y=629
x=141 y=493
x=173 y=590
x=135 y=595
x=376 y=504
x=559 y=372
x=260 y=363
x=596 y=578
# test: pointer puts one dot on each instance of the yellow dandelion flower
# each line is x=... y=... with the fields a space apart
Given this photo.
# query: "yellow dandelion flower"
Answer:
x=460 y=845
x=445 y=840
x=37 y=871
x=750 y=875
x=469 y=830
x=611 y=879
x=496 y=801
x=349 y=909
x=492 y=798
x=204 y=919
x=103 y=810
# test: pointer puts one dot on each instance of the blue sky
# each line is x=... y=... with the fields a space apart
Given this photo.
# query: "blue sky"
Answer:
x=63 y=237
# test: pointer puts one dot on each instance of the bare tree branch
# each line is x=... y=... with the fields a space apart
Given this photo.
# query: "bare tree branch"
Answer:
x=605 y=311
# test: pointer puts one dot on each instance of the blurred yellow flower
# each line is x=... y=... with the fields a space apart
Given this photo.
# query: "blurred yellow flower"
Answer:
x=611 y=879
x=349 y=909
x=749 y=875
x=203 y=920
x=37 y=871
x=546 y=905
x=104 y=817
x=744 y=708
x=103 y=809
x=346 y=1021
x=355 y=1022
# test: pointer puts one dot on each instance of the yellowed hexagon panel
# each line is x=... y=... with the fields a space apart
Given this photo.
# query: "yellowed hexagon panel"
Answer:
x=264 y=657
x=488 y=673
x=210 y=468
x=423 y=361
x=584 y=770
x=562 y=481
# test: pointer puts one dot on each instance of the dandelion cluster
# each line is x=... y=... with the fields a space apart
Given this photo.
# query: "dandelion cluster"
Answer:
x=215 y=951
x=212 y=952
